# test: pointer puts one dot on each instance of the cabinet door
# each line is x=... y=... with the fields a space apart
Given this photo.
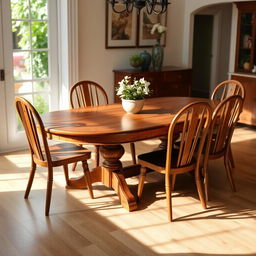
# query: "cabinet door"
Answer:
x=248 y=116
x=175 y=83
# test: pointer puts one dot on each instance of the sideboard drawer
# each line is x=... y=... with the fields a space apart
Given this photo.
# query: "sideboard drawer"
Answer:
x=177 y=76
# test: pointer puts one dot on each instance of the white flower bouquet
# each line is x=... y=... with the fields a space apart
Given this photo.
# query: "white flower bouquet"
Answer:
x=159 y=30
x=136 y=91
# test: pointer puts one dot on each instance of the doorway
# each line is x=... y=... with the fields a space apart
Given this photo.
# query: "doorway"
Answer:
x=211 y=47
x=202 y=55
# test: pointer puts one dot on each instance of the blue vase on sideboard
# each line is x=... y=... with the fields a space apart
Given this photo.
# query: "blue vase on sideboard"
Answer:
x=146 y=60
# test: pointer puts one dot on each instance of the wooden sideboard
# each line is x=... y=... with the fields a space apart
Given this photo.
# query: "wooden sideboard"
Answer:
x=248 y=116
x=170 y=81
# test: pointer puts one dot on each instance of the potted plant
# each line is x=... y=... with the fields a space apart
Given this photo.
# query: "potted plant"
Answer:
x=132 y=95
x=136 y=61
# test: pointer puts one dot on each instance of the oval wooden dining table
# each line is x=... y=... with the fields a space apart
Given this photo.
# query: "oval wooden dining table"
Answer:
x=109 y=126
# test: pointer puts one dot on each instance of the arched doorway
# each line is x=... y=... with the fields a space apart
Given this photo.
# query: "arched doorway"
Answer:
x=211 y=47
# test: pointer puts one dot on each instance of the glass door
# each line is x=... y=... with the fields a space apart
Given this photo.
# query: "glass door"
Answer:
x=246 y=42
x=246 y=38
x=30 y=59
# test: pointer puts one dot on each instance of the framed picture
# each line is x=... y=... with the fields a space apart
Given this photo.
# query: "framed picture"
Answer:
x=121 y=28
x=146 y=22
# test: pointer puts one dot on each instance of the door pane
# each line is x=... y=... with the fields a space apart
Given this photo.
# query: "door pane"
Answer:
x=41 y=103
x=25 y=87
x=20 y=11
x=21 y=66
x=41 y=86
x=39 y=9
x=21 y=35
x=40 y=64
x=39 y=30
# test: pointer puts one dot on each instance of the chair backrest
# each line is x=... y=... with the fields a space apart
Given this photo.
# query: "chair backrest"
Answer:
x=228 y=88
x=193 y=121
x=224 y=119
x=87 y=93
x=32 y=123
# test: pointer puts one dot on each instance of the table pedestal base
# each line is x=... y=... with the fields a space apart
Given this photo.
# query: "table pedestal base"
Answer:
x=112 y=175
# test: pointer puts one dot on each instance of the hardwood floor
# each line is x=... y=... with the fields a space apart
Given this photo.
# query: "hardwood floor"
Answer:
x=78 y=225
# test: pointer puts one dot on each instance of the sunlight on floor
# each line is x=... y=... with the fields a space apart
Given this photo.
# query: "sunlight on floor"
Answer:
x=20 y=160
x=244 y=135
x=18 y=181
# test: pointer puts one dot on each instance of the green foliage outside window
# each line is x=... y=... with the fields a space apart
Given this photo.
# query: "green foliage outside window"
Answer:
x=30 y=34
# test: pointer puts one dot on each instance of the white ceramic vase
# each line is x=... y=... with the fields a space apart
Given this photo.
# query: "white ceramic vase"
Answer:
x=132 y=106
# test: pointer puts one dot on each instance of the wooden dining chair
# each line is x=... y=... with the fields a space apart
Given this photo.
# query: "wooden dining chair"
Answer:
x=193 y=122
x=49 y=156
x=223 y=123
x=88 y=93
x=224 y=90
x=228 y=88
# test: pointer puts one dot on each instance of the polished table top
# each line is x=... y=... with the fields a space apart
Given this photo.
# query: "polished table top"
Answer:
x=110 y=124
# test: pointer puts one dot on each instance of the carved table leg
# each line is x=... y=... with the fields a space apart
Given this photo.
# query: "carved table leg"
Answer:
x=164 y=141
x=163 y=144
x=111 y=175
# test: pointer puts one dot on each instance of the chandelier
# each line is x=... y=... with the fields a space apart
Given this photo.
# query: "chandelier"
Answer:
x=152 y=6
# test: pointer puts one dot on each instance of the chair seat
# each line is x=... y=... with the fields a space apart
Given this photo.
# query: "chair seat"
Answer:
x=156 y=160
x=64 y=151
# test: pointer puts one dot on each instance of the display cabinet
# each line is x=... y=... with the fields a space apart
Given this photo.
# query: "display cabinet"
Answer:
x=246 y=38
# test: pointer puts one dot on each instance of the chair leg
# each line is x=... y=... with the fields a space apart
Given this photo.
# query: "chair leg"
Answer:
x=74 y=166
x=97 y=155
x=200 y=189
x=87 y=177
x=228 y=168
x=133 y=153
x=142 y=178
x=31 y=178
x=168 y=191
x=230 y=156
x=206 y=184
x=65 y=167
x=49 y=191
x=173 y=181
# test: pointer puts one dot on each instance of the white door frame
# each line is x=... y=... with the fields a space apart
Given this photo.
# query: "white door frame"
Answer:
x=68 y=48
x=3 y=123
